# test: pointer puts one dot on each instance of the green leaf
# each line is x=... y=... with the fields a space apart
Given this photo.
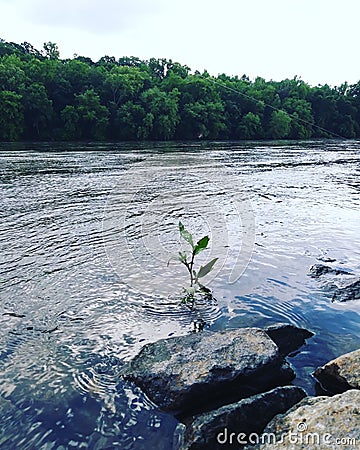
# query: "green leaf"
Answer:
x=201 y=245
x=186 y=235
x=182 y=257
x=204 y=270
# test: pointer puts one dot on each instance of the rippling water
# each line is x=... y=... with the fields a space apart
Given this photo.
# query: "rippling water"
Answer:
x=86 y=237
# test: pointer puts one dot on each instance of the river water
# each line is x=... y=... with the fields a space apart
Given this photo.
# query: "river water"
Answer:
x=88 y=274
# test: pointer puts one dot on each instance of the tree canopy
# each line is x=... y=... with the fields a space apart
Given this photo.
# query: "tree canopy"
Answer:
x=43 y=97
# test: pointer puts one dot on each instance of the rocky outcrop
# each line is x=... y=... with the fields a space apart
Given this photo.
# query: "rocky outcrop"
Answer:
x=315 y=422
x=340 y=374
x=288 y=337
x=211 y=430
x=202 y=371
x=347 y=293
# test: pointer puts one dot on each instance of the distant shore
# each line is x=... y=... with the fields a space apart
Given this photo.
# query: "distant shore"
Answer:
x=45 y=98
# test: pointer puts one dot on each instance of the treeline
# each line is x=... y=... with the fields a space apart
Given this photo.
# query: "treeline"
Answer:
x=43 y=97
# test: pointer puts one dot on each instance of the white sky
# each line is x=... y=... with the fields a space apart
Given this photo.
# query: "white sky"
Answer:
x=317 y=40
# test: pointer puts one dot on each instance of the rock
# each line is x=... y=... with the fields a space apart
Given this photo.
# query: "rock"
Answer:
x=202 y=371
x=320 y=269
x=314 y=423
x=212 y=430
x=344 y=289
x=347 y=293
x=326 y=259
x=340 y=374
x=288 y=337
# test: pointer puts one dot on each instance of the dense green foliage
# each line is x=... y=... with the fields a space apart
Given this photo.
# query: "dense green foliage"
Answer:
x=43 y=97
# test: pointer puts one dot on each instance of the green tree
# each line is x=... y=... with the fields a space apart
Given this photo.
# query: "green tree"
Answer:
x=201 y=109
x=122 y=84
x=323 y=104
x=51 y=50
x=302 y=118
x=88 y=119
x=250 y=126
x=12 y=74
x=280 y=125
x=52 y=74
x=163 y=106
x=71 y=124
x=38 y=112
x=133 y=123
x=77 y=75
x=11 y=116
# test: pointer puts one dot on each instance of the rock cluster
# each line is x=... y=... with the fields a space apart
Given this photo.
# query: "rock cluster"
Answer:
x=315 y=422
x=321 y=422
x=212 y=430
x=211 y=380
x=231 y=390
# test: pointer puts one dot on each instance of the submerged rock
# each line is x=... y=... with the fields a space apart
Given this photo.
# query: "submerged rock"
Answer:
x=347 y=293
x=326 y=259
x=202 y=371
x=340 y=374
x=315 y=422
x=212 y=430
x=288 y=337
x=345 y=287
x=317 y=270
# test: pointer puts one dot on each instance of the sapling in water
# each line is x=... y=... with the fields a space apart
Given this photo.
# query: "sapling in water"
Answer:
x=189 y=260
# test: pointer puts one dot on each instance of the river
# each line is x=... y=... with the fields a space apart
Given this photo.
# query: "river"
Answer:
x=88 y=274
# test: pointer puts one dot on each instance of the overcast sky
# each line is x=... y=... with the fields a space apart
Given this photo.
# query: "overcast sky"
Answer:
x=317 y=40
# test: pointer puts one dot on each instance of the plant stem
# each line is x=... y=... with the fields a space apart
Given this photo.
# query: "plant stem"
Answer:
x=191 y=269
x=189 y=266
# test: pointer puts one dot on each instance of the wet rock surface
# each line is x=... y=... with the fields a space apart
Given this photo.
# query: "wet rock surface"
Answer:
x=288 y=337
x=212 y=430
x=202 y=371
x=340 y=374
x=315 y=423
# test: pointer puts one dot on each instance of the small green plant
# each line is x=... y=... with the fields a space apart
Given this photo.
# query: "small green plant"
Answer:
x=196 y=294
x=201 y=245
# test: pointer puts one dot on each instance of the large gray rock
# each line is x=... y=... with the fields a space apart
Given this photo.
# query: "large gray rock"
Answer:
x=288 y=337
x=315 y=423
x=211 y=430
x=340 y=374
x=202 y=371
